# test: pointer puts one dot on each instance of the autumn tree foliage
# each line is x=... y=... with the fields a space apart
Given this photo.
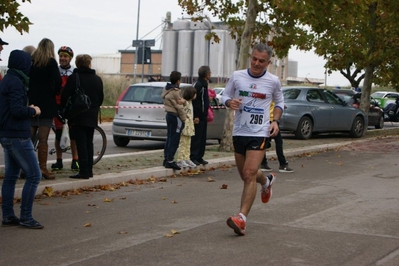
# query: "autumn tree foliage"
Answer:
x=10 y=16
x=359 y=38
x=356 y=37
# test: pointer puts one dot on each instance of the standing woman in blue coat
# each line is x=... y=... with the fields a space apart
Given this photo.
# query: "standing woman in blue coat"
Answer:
x=15 y=115
x=45 y=83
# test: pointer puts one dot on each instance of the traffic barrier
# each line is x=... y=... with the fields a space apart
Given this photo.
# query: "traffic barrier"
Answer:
x=150 y=107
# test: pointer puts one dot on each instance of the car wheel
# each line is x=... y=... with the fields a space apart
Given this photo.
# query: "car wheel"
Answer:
x=304 y=129
x=380 y=123
x=121 y=141
x=357 y=129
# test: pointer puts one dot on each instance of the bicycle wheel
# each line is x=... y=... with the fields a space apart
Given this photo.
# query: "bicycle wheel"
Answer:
x=99 y=144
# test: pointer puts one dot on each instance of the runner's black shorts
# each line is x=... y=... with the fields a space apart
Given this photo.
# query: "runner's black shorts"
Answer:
x=244 y=143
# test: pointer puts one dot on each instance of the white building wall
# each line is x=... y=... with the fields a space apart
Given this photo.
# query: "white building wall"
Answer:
x=106 y=63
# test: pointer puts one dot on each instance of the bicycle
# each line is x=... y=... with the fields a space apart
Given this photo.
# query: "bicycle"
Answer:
x=99 y=143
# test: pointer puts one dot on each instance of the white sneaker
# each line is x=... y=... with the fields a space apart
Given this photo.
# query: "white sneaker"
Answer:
x=190 y=163
x=183 y=164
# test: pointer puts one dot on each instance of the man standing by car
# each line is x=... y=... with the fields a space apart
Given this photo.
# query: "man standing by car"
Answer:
x=65 y=54
x=278 y=140
x=200 y=106
x=250 y=93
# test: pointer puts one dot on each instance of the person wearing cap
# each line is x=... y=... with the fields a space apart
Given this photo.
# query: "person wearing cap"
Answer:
x=65 y=55
x=1 y=49
x=44 y=84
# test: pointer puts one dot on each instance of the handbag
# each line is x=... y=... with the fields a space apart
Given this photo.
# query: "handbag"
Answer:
x=65 y=141
x=78 y=102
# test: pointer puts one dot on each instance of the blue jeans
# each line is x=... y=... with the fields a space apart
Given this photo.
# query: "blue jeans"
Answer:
x=19 y=155
x=174 y=127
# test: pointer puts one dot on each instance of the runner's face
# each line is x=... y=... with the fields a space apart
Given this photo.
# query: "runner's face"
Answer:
x=64 y=60
x=259 y=62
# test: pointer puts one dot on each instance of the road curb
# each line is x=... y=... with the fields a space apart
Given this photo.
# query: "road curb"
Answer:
x=159 y=172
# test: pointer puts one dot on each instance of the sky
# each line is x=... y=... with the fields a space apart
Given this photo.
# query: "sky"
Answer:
x=105 y=27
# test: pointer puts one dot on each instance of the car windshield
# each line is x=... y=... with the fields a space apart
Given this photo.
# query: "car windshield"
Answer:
x=218 y=90
x=146 y=94
x=291 y=93
x=332 y=97
x=378 y=94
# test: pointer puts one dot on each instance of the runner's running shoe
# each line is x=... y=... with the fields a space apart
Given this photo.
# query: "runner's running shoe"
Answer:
x=266 y=193
x=237 y=223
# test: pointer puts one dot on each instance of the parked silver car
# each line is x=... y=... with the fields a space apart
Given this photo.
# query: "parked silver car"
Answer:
x=140 y=115
x=310 y=110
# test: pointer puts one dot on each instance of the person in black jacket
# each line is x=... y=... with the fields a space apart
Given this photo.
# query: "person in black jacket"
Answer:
x=15 y=136
x=83 y=124
x=200 y=106
x=44 y=84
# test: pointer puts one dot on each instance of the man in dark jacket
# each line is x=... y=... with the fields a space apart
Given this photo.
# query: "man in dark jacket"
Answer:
x=15 y=136
x=200 y=106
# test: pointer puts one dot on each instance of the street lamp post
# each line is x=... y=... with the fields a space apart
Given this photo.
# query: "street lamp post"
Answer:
x=137 y=37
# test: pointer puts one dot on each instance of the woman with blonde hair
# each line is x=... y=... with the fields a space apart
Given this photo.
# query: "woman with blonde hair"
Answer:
x=44 y=84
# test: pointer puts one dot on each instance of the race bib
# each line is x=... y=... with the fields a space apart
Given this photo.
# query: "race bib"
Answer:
x=252 y=118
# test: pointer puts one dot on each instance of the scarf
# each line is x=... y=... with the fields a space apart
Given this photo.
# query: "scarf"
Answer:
x=25 y=78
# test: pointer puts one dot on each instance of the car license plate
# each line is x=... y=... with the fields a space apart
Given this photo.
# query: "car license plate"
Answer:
x=138 y=133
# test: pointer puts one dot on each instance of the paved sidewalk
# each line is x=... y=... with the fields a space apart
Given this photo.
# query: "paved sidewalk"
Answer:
x=140 y=165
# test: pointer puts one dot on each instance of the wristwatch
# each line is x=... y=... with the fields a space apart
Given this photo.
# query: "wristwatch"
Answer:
x=277 y=121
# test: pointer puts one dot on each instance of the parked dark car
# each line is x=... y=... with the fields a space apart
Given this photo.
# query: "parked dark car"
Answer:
x=376 y=114
x=310 y=110
x=140 y=114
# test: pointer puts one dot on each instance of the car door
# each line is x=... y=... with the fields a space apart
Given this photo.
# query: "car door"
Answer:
x=321 y=111
x=342 y=115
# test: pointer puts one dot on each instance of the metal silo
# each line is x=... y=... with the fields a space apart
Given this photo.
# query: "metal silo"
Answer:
x=185 y=54
x=231 y=56
x=201 y=51
x=169 y=52
x=181 y=24
x=217 y=56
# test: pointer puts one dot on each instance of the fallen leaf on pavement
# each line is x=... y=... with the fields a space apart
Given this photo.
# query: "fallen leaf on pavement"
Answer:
x=210 y=179
x=224 y=186
x=174 y=232
x=87 y=225
x=108 y=200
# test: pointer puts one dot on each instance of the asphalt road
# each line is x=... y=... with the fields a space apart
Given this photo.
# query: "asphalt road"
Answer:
x=338 y=208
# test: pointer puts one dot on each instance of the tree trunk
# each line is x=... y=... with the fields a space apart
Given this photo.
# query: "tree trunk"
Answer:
x=226 y=143
x=366 y=91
